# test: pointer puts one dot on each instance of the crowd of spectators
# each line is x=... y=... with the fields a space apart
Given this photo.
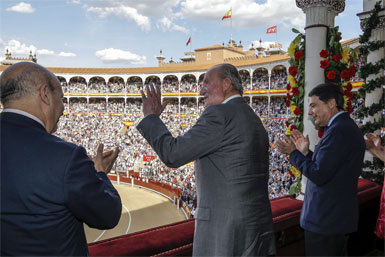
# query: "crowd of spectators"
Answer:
x=113 y=123
x=88 y=124
x=189 y=84
x=278 y=79
x=260 y=79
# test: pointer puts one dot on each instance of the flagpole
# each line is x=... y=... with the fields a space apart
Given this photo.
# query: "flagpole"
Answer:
x=276 y=37
x=231 y=26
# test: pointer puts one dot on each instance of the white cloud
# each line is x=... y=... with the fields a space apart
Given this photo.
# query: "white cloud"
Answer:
x=112 y=55
x=21 y=8
x=167 y=25
x=74 y=1
x=16 y=47
x=63 y=54
x=245 y=13
x=126 y=12
x=44 y=52
x=141 y=12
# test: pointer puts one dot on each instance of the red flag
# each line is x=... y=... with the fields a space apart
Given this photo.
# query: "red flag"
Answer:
x=148 y=158
x=188 y=41
x=272 y=30
x=227 y=15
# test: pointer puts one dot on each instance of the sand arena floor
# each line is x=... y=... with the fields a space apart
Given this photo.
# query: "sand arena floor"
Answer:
x=142 y=209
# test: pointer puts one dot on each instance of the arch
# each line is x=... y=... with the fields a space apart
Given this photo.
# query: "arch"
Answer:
x=116 y=84
x=188 y=83
x=97 y=105
x=133 y=106
x=278 y=77
x=97 y=85
x=245 y=75
x=201 y=105
x=155 y=80
x=173 y=106
x=134 y=84
x=77 y=105
x=260 y=79
x=188 y=105
x=260 y=105
x=170 y=84
x=201 y=77
x=278 y=107
x=77 y=84
x=65 y=103
x=63 y=83
x=115 y=105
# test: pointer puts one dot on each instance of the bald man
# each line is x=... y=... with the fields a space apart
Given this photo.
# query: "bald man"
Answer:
x=49 y=187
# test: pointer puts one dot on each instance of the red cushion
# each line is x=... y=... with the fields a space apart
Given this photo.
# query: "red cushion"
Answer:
x=148 y=242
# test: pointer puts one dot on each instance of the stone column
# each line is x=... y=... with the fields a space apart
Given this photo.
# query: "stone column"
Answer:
x=377 y=34
x=320 y=15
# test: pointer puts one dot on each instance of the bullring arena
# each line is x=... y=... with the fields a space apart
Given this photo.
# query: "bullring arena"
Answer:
x=142 y=209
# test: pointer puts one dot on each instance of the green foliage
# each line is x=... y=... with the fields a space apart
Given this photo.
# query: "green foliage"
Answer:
x=295 y=188
x=370 y=85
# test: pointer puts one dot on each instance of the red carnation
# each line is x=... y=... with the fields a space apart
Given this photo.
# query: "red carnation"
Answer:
x=349 y=86
x=337 y=57
x=293 y=71
x=294 y=90
x=298 y=55
x=292 y=127
x=288 y=86
x=287 y=123
x=345 y=75
x=324 y=64
x=288 y=97
x=324 y=53
x=331 y=75
x=297 y=111
x=320 y=133
x=349 y=108
x=287 y=103
x=352 y=70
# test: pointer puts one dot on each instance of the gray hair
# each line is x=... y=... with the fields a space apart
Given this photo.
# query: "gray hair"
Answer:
x=22 y=79
x=227 y=70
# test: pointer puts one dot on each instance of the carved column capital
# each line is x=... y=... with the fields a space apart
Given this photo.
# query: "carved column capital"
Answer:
x=336 y=5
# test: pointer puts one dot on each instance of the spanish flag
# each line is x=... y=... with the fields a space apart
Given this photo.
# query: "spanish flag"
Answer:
x=227 y=15
x=127 y=123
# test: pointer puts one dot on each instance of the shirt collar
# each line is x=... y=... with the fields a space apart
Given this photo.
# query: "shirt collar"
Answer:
x=335 y=116
x=25 y=114
x=231 y=97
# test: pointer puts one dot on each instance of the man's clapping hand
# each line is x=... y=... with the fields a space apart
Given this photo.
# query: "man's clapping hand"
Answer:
x=296 y=141
x=105 y=161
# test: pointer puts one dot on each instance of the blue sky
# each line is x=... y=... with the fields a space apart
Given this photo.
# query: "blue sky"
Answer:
x=130 y=33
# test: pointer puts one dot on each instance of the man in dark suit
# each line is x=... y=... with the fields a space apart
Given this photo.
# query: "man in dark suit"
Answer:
x=49 y=187
x=230 y=147
x=330 y=208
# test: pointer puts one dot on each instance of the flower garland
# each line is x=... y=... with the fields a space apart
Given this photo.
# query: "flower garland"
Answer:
x=339 y=68
x=366 y=47
x=295 y=90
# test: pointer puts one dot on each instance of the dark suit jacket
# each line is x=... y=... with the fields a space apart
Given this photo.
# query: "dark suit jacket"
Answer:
x=330 y=204
x=230 y=147
x=49 y=188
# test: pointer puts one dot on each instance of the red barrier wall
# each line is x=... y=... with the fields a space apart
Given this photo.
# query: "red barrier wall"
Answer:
x=176 y=239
